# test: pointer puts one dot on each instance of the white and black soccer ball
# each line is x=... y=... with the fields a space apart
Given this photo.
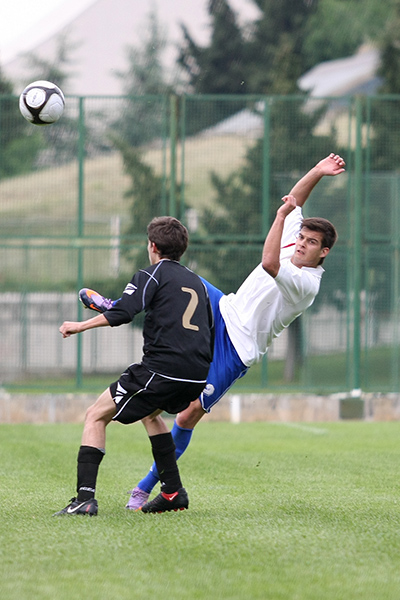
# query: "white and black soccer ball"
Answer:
x=42 y=103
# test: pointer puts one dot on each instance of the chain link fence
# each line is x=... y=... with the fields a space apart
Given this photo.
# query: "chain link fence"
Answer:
x=75 y=197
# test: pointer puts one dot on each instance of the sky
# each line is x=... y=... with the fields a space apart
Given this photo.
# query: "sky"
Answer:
x=27 y=25
x=27 y=21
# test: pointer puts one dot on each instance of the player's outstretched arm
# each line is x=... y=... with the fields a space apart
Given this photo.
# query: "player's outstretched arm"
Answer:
x=68 y=328
x=329 y=166
x=272 y=244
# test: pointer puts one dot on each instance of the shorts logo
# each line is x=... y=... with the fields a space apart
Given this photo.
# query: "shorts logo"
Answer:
x=119 y=394
x=209 y=390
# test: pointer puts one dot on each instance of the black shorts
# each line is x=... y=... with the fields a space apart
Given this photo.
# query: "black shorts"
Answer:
x=139 y=392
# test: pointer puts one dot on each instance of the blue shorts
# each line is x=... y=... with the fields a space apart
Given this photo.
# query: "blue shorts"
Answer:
x=226 y=367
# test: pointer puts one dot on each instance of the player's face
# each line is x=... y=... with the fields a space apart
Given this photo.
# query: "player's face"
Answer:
x=309 y=250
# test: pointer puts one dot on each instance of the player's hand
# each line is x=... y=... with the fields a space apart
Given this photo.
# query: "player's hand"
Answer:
x=289 y=205
x=332 y=165
x=68 y=328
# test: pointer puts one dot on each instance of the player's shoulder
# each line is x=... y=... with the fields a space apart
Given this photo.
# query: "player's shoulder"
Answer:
x=169 y=269
x=161 y=265
x=172 y=268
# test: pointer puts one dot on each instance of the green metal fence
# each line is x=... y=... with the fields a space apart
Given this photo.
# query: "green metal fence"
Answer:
x=73 y=207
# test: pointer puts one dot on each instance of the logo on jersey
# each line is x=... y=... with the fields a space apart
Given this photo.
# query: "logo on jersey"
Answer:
x=209 y=389
x=130 y=289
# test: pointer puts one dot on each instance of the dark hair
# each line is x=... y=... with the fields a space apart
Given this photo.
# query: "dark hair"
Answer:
x=329 y=233
x=169 y=235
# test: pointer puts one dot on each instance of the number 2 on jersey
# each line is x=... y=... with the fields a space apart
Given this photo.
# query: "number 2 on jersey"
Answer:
x=190 y=309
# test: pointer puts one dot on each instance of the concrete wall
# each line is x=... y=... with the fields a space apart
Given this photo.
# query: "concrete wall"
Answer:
x=70 y=408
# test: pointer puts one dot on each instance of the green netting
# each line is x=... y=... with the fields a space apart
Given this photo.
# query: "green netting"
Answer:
x=72 y=215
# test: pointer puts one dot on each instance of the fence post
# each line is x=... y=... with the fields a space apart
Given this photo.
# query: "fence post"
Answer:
x=172 y=199
x=182 y=137
x=235 y=409
x=266 y=168
x=395 y=308
x=357 y=246
x=80 y=216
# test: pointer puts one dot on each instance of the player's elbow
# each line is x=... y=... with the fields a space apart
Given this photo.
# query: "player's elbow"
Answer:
x=270 y=266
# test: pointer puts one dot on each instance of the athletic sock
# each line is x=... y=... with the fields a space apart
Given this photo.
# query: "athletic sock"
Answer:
x=163 y=448
x=181 y=437
x=89 y=459
x=151 y=479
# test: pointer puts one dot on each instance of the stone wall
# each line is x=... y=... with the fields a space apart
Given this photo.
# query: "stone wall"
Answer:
x=70 y=408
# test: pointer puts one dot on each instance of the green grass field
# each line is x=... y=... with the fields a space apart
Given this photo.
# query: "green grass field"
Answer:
x=277 y=511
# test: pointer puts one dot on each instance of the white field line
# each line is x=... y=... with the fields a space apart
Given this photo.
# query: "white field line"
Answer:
x=306 y=428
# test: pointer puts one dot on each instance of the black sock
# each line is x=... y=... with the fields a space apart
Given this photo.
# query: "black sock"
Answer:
x=163 y=448
x=89 y=459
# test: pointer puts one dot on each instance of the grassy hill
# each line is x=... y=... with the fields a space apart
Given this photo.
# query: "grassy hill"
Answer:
x=40 y=212
x=53 y=194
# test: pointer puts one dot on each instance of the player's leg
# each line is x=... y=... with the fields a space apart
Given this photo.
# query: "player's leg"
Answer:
x=140 y=393
x=90 y=455
x=173 y=496
x=181 y=433
x=225 y=369
x=177 y=396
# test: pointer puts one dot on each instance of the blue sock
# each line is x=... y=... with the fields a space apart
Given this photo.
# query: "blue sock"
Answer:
x=182 y=439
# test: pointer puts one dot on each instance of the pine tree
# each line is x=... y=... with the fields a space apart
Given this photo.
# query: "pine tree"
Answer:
x=146 y=194
x=275 y=62
x=385 y=114
x=337 y=28
x=19 y=142
x=219 y=68
x=142 y=114
x=276 y=50
x=60 y=142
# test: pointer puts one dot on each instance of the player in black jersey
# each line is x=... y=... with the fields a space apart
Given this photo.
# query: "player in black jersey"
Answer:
x=178 y=346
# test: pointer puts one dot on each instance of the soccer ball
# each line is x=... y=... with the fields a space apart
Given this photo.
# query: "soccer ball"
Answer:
x=42 y=103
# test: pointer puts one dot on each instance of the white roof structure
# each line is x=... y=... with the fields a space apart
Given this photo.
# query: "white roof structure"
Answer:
x=336 y=78
x=344 y=76
x=102 y=30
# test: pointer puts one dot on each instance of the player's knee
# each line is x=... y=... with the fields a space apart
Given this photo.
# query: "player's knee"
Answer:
x=91 y=414
x=189 y=418
x=97 y=412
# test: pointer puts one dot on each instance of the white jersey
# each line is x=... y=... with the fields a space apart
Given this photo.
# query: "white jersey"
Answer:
x=264 y=306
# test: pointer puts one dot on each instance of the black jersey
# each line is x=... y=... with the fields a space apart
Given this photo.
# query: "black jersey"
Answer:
x=178 y=327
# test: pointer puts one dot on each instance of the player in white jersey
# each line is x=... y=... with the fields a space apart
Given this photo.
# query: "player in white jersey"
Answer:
x=265 y=304
x=279 y=289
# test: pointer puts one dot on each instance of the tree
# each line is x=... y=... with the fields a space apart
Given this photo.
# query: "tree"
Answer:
x=141 y=119
x=219 y=68
x=385 y=114
x=380 y=217
x=275 y=61
x=55 y=68
x=61 y=141
x=338 y=27
x=145 y=193
x=19 y=142
x=276 y=49
x=238 y=205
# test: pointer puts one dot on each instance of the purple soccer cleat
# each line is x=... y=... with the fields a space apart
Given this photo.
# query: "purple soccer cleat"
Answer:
x=94 y=300
x=137 y=499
